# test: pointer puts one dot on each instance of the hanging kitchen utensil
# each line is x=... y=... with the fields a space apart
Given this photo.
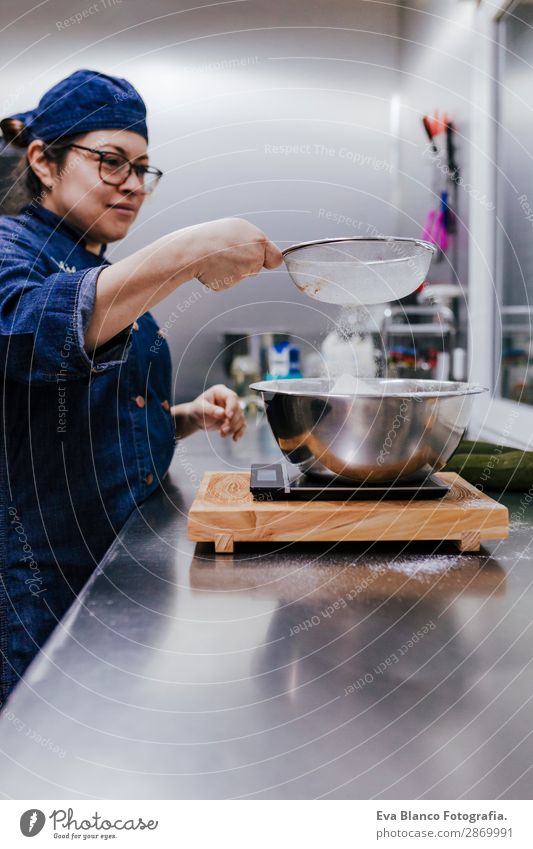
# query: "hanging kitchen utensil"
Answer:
x=453 y=168
x=436 y=125
x=429 y=132
x=358 y=270
x=435 y=230
x=438 y=225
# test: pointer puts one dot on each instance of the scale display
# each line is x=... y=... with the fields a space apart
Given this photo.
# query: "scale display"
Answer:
x=271 y=483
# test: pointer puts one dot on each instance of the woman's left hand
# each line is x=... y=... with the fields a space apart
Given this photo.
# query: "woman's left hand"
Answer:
x=217 y=408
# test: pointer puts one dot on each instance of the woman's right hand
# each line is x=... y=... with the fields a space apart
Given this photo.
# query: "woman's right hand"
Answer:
x=230 y=249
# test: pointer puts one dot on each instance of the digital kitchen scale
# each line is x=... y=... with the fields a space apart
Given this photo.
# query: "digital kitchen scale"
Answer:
x=271 y=482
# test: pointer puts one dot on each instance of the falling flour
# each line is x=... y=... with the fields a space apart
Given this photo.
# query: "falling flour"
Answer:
x=348 y=384
x=349 y=353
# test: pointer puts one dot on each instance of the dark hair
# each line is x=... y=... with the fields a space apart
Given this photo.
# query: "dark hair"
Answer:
x=24 y=185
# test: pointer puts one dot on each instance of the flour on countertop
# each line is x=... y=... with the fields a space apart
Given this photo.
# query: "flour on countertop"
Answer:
x=431 y=564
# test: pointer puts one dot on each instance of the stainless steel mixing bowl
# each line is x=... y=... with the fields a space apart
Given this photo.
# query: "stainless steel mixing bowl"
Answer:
x=408 y=426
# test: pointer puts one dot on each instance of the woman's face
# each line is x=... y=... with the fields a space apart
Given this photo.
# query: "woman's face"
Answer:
x=103 y=212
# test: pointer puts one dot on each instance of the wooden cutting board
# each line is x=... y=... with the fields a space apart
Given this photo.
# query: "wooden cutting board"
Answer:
x=224 y=512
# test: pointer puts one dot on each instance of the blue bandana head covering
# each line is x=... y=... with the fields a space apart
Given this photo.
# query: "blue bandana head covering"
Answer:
x=86 y=101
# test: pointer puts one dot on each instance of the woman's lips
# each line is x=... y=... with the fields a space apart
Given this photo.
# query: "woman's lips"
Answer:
x=123 y=210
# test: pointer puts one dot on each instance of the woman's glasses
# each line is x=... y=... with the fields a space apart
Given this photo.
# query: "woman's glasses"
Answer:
x=115 y=169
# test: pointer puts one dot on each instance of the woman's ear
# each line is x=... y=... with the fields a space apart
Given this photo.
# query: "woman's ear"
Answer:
x=40 y=165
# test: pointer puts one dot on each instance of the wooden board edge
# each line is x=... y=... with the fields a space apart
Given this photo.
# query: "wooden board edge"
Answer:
x=203 y=535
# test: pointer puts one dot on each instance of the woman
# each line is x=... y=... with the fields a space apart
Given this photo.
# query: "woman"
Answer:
x=86 y=382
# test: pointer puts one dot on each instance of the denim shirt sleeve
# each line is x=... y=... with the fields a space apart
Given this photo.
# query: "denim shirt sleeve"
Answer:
x=43 y=320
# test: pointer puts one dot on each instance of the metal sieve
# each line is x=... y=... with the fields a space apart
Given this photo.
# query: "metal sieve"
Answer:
x=359 y=271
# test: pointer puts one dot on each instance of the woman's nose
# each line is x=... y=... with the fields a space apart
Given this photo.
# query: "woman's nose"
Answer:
x=134 y=184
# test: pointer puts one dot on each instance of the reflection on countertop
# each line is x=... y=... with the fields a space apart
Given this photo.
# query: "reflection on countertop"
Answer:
x=326 y=572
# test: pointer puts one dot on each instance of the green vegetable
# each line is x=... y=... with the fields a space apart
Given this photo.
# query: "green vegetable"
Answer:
x=492 y=466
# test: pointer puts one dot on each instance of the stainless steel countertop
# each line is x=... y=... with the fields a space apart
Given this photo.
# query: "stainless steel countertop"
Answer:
x=286 y=671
